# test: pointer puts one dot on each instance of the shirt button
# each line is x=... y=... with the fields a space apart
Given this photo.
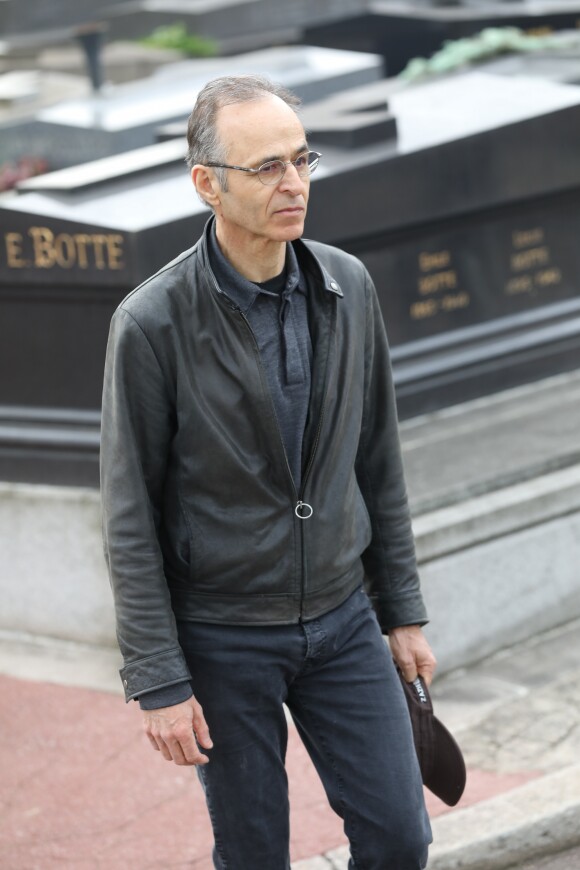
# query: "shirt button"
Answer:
x=125 y=683
x=334 y=285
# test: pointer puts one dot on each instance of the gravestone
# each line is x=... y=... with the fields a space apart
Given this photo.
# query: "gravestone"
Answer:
x=18 y=19
x=70 y=252
x=235 y=25
x=559 y=64
x=127 y=116
x=27 y=27
x=460 y=196
x=75 y=242
x=400 y=30
x=467 y=223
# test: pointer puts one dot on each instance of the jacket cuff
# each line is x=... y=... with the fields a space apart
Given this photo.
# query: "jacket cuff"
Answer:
x=154 y=672
x=168 y=696
x=392 y=614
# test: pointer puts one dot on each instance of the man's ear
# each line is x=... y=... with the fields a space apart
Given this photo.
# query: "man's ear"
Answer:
x=206 y=184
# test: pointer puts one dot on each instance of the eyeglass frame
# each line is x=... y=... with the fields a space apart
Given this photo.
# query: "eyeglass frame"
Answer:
x=259 y=169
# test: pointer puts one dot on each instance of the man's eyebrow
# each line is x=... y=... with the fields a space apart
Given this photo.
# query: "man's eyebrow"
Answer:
x=298 y=151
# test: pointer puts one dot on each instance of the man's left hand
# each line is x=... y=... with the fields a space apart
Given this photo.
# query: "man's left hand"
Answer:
x=412 y=653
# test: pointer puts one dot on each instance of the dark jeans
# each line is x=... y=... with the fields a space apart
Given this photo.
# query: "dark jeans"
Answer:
x=336 y=676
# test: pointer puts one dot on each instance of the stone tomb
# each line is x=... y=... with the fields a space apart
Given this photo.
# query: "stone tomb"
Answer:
x=467 y=222
x=71 y=250
x=37 y=16
x=235 y=25
x=403 y=29
x=127 y=116
x=460 y=197
x=26 y=28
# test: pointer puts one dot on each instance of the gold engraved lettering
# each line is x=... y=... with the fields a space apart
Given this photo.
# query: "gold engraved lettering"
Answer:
x=438 y=281
x=14 y=256
x=438 y=260
x=528 y=238
x=421 y=310
x=529 y=259
x=540 y=31
x=115 y=251
x=98 y=245
x=65 y=251
x=81 y=241
x=453 y=301
x=520 y=284
x=42 y=245
x=548 y=277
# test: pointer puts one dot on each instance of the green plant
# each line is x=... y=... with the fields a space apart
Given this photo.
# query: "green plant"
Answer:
x=493 y=41
x=176 y=37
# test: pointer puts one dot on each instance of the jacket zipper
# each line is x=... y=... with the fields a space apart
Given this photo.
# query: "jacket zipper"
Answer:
x=302 y=510
x=305 y=477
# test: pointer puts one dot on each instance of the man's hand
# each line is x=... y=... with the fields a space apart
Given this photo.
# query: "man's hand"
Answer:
x=172 y=731
x=412 y=653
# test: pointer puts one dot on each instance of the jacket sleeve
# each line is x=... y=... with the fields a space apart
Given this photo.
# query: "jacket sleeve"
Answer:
x=136 y=430
x=390 y=561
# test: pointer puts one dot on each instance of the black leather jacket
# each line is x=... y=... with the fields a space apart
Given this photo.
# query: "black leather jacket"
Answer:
x=200 y=513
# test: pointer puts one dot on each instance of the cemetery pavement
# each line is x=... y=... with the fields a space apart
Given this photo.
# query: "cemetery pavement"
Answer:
x=81 y=788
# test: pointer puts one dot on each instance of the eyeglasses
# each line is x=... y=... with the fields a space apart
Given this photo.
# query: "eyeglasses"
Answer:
x=274 y=170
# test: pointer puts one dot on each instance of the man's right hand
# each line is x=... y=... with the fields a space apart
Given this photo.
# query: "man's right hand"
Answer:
x=172 y=731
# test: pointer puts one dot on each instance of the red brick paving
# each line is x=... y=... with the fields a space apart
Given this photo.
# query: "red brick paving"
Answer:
x=81 y=788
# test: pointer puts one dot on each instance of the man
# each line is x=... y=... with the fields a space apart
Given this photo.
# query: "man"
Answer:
x=252 y=491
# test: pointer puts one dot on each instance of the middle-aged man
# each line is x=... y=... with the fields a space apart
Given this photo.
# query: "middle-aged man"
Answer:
x=256 y=522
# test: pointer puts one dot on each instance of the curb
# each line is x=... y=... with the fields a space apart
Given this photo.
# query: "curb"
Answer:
x=536 y=819
x=539 y=818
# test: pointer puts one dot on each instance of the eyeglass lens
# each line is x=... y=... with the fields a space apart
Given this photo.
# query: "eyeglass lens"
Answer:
x=273 y=171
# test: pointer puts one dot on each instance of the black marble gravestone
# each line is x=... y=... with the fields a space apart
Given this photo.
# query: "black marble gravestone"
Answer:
x=462 y=198
x=37 y=16
x=234 y=25
x=68 y=257
x=403 y=29
x=34 y=24
x=127 y=116
x=467 y=223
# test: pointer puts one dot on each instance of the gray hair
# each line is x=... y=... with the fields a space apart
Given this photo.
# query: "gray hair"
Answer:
x=204 y=145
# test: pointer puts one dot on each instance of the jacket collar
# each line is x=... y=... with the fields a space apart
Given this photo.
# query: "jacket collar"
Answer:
x=302 y=250
x=302 y=247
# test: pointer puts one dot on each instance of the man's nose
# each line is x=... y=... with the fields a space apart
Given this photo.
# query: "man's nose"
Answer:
x=291 y=181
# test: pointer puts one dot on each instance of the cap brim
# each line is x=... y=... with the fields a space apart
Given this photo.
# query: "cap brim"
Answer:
x=440 y=758
x=446 y=776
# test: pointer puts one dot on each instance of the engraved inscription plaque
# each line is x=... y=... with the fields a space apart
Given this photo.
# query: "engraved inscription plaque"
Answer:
x=489 y=267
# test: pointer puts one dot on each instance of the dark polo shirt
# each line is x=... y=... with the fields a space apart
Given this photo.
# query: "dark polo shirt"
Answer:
x=278 y=314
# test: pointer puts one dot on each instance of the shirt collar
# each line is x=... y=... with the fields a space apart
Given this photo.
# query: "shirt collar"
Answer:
x=239 y=289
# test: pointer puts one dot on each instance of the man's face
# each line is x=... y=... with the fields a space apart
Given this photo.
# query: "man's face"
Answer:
x=253 y=133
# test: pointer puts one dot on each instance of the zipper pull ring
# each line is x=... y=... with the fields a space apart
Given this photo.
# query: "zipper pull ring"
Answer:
x=303 y=506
